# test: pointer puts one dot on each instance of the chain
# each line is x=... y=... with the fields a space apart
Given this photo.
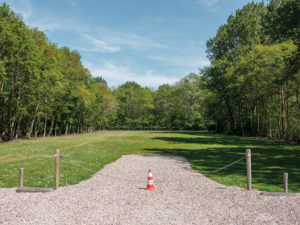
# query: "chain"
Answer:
x=227 y=165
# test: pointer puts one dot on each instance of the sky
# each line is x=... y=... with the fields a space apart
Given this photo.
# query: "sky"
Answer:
x=151 y=42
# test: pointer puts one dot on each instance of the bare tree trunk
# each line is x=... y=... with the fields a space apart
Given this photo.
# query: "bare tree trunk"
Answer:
x=270 y=125
x=18 y=128
x=45 y=128
x=12 y=127
x=241 y=115
x=8 y=117
x=282 y=112
x=15 y=113
x=52 y=125
x=36 y=130
x=279 y=128
x=55 y=128
x=287 y=133
x=28 y=134
x=257 y=119
x=66 y=132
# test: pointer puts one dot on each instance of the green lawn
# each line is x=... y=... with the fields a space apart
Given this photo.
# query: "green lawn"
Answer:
x=83 y=155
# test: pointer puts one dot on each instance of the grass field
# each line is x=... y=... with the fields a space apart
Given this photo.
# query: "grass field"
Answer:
x=83 y=155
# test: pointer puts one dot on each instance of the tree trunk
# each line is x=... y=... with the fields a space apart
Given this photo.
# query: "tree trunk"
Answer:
x=270 y=125
x=18 y=128
x=257 y=119
x=28 y=134
x=287 y=133
x=231 y=118
x=52 y=125
x=282 y=112
x=55 y=128
x=45 y=128
x=279 y=128
x=7 y=129
x=66 y=132
x=12 y=127
x=36 y=130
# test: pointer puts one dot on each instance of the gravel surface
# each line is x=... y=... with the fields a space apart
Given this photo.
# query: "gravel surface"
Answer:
x=116 y=195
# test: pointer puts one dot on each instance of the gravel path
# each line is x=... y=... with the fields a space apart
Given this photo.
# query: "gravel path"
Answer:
x=116 y=195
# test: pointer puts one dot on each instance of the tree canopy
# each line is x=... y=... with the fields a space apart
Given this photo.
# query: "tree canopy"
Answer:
x=252 y=86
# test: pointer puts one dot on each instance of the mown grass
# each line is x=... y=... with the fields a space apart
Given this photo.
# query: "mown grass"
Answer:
x=83 y=155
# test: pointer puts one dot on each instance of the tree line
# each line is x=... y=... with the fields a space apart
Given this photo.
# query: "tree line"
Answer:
x=252 y=86
x=254 y=75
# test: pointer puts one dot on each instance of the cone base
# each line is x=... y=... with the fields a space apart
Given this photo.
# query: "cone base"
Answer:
x=149 y=188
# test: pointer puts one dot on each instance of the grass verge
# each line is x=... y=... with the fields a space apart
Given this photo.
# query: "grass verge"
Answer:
x=83 y=155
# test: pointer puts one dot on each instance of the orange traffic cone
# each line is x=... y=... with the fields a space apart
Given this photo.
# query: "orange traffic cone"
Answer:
x=150 y=185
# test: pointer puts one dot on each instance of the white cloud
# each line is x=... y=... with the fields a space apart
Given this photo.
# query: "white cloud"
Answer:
x=117 y=75
x=98 y=45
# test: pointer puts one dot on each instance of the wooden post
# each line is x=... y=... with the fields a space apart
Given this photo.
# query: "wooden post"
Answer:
x=21 y=175
x=285 y=181
x=57 y=169
x=249 y=173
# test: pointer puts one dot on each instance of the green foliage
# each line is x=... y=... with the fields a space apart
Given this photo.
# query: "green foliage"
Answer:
x=254 y=72
x=45 y=90
x=99 y=80
x=251 y=88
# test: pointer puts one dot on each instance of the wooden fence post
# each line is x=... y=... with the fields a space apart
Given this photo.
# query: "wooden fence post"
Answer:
x=285 y=181
x=57 y=169
x=21 y=175
x=249 y=173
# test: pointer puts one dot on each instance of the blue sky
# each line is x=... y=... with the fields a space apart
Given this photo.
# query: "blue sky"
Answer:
x=151 y=42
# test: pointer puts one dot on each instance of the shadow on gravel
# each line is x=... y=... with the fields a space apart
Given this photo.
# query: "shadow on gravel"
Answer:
x=269 y=159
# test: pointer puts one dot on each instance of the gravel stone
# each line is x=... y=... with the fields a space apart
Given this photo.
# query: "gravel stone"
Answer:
x=116 y=195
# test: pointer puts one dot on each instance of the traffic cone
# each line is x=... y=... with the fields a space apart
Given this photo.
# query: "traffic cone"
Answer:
x=150 y=185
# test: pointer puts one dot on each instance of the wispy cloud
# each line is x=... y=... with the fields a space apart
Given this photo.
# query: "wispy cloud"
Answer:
x=116 y=75
x=98 y=45
x=128 y=40
x=136 y=42
x=44 y=24
x=22 y=7
x=73 y=3
x=127 y=53
x=191 y=63
x=209 y=3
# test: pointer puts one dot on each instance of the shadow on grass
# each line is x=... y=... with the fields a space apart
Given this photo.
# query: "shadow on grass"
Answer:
x=269 y=159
